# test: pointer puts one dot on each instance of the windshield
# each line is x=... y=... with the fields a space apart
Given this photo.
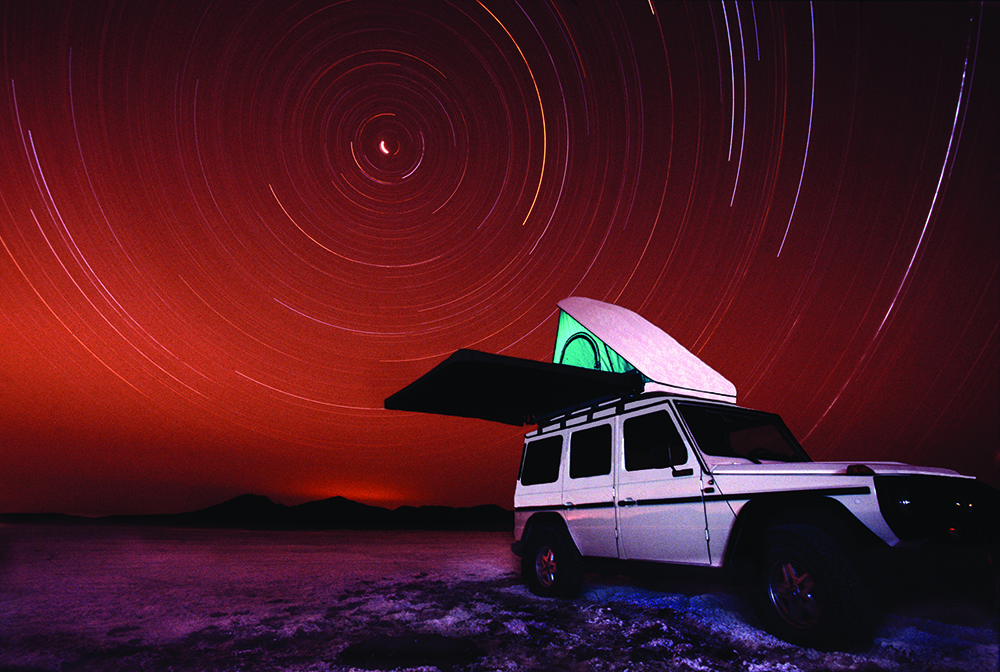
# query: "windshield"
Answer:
x=740 y=433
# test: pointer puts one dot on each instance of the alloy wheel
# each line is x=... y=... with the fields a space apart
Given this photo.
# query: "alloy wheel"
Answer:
x=790 y=588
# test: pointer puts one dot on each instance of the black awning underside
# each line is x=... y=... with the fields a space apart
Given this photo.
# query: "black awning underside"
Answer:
x=473 y=384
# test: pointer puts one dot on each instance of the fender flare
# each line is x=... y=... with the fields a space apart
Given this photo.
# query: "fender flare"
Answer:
x=550 y=519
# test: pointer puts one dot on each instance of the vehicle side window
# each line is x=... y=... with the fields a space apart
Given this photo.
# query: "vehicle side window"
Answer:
x=590 y=452
x=541 y=461
x=652 y=442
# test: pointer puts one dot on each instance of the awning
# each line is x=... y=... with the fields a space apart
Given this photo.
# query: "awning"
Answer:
x=515 y=391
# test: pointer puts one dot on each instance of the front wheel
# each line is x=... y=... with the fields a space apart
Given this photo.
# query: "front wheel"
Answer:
x=808 y=593
x=551 y=566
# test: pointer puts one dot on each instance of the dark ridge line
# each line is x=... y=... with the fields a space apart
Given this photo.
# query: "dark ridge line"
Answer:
x=256 y=512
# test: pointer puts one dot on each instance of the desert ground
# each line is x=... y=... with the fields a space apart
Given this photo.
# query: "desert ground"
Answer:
x=144 y=598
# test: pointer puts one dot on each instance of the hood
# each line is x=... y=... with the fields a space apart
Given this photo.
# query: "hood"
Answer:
x=830 y=468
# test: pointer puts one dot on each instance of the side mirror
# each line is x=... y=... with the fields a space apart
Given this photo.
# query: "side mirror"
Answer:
x=678 y=455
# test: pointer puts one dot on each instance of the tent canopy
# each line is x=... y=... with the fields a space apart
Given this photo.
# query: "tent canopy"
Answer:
x=603 y=336
x=473 y=384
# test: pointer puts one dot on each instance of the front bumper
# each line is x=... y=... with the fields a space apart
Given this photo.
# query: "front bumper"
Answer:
x=939 y=510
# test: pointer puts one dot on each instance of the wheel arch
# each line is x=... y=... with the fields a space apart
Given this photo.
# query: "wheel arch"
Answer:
x=550 y=519
x=764 y=512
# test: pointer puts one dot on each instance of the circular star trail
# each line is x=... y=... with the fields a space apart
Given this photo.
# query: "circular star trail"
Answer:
x=228 y=232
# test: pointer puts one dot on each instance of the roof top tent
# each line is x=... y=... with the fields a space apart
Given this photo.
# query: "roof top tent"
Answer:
x=605 y=337
x=602 y=352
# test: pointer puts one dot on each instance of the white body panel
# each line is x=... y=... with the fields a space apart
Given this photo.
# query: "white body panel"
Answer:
x=661 y=513
x=667 y=529
x=745 y=468
x=864 y=506
x=589 y=508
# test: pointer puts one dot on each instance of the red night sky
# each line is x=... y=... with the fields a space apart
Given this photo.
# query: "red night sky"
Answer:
x=229 y=230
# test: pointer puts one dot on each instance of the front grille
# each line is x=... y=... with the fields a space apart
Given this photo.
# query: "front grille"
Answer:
x=938 y=508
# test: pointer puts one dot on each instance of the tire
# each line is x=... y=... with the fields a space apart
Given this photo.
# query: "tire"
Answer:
x=807 y=592
x=551 y=565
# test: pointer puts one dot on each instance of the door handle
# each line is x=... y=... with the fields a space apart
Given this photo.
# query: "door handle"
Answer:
x=628 y=501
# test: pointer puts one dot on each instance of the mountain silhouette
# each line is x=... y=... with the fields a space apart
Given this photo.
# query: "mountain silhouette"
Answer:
x=257 y=512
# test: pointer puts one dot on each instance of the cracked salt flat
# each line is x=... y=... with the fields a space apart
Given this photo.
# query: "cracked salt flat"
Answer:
x=104 y=598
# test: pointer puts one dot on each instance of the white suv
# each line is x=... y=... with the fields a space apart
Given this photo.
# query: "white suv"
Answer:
x=641 y=455
x=674 y=480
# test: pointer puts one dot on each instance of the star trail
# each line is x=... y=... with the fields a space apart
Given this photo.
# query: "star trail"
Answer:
x=229 y=230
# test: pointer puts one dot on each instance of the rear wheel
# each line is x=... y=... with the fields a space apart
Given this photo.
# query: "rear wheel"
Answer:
x=551 y=566
x=808 y=593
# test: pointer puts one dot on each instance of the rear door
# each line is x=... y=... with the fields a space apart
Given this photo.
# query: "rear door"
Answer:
x=661 y=512
x=538 y=484
x=589 y=490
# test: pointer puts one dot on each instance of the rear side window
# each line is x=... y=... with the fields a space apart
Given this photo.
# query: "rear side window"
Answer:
x=590 y=452
x=541 y=461
x=652 y=442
